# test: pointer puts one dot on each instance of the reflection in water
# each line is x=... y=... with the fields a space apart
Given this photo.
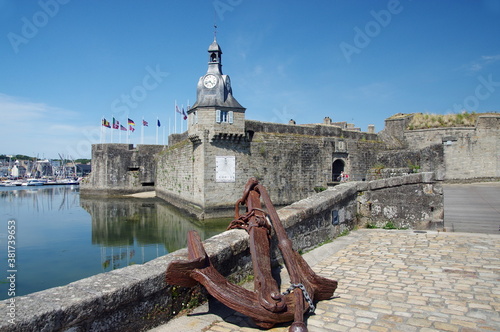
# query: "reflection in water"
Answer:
x=62 y=237
x=135 y=230
x=129 y=221
x=38 y=199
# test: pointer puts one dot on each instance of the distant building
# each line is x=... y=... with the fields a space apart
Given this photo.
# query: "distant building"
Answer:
x=83 y=170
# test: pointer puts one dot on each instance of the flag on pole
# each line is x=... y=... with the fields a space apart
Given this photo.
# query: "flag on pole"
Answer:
x=106 y=123
x=184 y=114
x=177 y=109
x=131 y=122
x=123 y=128
x=144 y=123
x=131 y=128
x=158 y=123
x=116 y=124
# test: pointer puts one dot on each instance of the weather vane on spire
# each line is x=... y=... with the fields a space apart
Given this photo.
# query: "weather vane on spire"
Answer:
x=215 y=25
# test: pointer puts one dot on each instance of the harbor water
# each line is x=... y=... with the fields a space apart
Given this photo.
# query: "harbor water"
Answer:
x=60 y=237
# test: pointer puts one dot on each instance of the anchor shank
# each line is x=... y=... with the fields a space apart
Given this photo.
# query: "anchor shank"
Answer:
x=319 y=288
x=264 y=283
x=284 y=243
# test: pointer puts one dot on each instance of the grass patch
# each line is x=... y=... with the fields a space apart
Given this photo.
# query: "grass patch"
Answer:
x=378 y=167
x=426 y=120
x=345 y=232
x=388 y=225
x=319 y=189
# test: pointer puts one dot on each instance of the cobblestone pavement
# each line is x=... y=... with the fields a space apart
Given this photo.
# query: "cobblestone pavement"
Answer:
x=391 y=281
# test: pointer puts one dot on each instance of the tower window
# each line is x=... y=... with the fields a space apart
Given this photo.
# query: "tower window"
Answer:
x=223 y=116
x=194 y=118
x=213 y=57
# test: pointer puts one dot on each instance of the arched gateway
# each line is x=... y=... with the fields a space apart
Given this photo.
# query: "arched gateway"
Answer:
x=337 y=168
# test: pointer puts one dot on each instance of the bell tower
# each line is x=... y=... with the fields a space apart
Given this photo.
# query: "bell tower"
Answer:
x=216 y=112
x=214 y=58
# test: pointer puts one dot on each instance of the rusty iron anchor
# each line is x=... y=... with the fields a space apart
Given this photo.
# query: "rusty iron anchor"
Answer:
x=265 y=305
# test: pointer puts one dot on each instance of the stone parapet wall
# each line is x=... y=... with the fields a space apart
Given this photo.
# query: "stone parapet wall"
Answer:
x=309 y=130
x=384 y=173
x=136 y=298
x=394 y=129
x=413 y=201
x=321 y=217
x=176 y=138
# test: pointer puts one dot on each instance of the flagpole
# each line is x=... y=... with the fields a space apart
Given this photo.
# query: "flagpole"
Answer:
x=175 y=117
x=169 y=129
x=112 y=130
x=157 y=122
x=142 y=131
x=100 y=139
x=105 y=141
x=187 y=119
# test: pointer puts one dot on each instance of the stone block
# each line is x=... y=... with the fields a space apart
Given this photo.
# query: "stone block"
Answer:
x=377 y=184
x=427 y=177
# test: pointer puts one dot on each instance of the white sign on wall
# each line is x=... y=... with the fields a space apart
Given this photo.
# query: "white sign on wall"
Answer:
x=225 y=169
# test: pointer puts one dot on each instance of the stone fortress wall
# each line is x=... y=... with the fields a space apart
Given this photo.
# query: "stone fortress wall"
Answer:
x=119 y=169
x=463 y=153
x=293 y=161
x=290 y=160
x=469 y=152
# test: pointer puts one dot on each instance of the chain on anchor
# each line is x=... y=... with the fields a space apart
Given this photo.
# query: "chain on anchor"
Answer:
x=304 y=292
x=243 y=221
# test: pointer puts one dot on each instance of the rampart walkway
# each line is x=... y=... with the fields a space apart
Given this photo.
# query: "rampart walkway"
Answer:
x=391 y=281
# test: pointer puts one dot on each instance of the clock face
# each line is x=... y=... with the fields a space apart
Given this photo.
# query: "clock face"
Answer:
x=210 y=81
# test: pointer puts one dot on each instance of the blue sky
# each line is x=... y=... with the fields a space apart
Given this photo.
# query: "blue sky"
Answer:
x=66 y=63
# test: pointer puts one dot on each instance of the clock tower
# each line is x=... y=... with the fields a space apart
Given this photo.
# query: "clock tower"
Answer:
x=215 y=110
